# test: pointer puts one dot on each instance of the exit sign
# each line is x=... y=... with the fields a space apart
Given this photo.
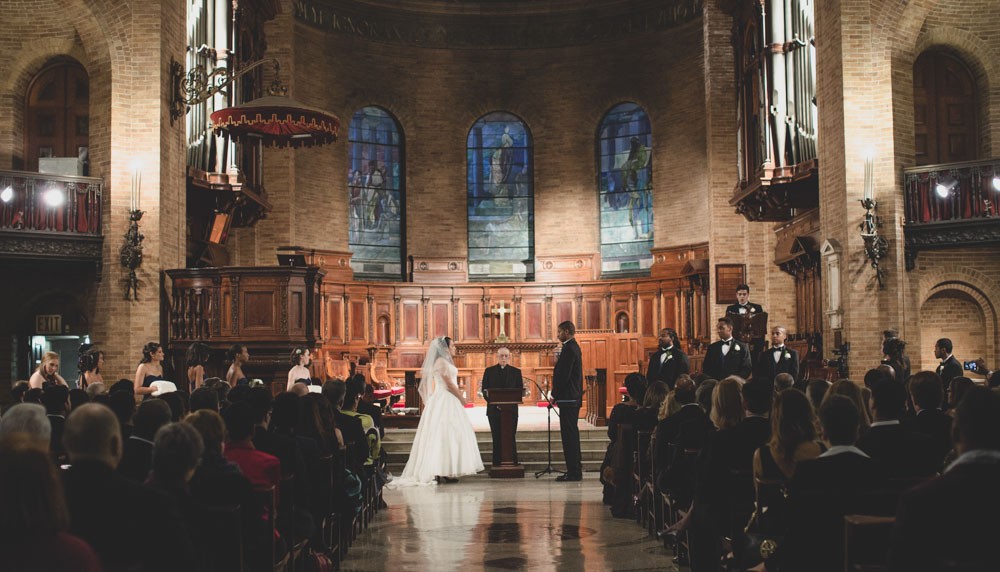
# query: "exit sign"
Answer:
x=48 y=324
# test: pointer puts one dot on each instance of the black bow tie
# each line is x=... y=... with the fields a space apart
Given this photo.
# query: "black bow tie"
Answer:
x=727 y=342
x=779 y=348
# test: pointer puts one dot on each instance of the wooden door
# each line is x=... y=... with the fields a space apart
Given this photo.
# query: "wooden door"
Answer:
x=944 y=110
x=58 y=114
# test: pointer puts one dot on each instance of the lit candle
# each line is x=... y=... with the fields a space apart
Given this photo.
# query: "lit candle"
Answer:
x=869 y=178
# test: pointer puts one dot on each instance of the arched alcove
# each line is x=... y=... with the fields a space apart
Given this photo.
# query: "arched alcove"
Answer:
x=960 y=313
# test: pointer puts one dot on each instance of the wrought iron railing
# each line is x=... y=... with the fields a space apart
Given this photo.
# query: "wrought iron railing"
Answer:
x=952 y=192
x=50 y=203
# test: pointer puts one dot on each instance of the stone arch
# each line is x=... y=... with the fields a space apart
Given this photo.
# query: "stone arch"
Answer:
x=975 y=287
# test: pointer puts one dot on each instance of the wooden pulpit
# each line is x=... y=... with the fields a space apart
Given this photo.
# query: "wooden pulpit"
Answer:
x=507 y=399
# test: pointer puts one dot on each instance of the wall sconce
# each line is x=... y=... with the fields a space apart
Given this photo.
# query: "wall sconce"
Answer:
x=876 y=245
x=131 y=252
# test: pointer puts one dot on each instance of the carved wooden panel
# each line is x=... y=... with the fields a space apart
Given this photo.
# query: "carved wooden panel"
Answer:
x=358 y=318
x=592 y=314
x=297 y=312
x=334 y=320
x=564 y=312
x=440 y=320
x=258 y=310
x=534 y=317
x=470 y=318
x=647 y=324
x=411 y=321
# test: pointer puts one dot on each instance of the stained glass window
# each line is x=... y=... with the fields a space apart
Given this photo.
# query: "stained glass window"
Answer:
x=500 y=199
x=625 y=186
x=376 y=199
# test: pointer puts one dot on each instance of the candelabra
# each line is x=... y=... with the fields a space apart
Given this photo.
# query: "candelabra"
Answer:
x=876 y=245
x=131 y=254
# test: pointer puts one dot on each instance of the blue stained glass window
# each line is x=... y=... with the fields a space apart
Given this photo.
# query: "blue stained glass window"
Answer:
x=625 y=186
x=500 y=199
x=375 y=186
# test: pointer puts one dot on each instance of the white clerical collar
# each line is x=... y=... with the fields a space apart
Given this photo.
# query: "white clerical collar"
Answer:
x=945 y=360
x=838 y=449
x=885 y=423
x=976 y=456
x=668 y=348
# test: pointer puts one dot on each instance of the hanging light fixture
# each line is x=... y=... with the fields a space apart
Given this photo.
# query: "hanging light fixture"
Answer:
x=275 y=120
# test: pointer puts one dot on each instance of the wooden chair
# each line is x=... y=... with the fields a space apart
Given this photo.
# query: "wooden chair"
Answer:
x=268 y=497
x=641 y=474
x=866 y=542
x=287 y=524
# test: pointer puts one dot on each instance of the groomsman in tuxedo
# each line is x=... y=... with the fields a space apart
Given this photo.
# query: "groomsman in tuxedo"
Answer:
x=727 y=356
x=567 y=391
x=777 y=359
x=743 y=307
x=949 y=368
x=669 y=361
x=501 y=376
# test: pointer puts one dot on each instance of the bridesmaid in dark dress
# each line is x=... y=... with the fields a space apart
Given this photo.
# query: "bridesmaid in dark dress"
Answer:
x=150 y=369
x=239 y=355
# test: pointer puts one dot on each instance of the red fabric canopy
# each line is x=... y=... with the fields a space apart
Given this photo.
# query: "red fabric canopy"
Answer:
x=276 y=121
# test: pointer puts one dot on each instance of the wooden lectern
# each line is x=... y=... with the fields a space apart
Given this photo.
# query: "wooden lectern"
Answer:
x=507 y=399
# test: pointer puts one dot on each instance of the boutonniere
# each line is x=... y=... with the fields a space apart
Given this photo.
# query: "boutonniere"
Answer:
x=752 y=309
x=736 y=347
x=787 y=355
x=669 y=357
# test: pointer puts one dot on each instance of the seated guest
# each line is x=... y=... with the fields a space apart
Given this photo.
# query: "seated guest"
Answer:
x=951 y=520
x=130 y=526
x=647 y=415
x=33 y=395
x=367 y=405
x=873 y=376
x=350 y=408
x=823 y=490
x=783 y=381
x=793 y=438
x=56 y=401
x=816 y=391
x=926 y=393
x=29 y=419
x=635 y=391
x=703 y=393
x=17 y=392
x=899 y=452
x=34 y=520
x=123 y=404
x=177 y=401
x=95 y=389
x=260 y=468
x=956 y=392
x=137 y=457
x=668 y=430
x=281 y=444
x=77 y=397
x=350 y=427
x=318 y=423
x=852 y=391
x=204 y=398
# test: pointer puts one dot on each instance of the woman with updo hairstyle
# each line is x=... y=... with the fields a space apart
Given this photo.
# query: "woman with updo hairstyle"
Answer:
x=150 y=369
x=300 y=370
x=793 y=438
x=196 y=358
x=47 y=373
x=238 y=355
x=893 y=349
x=34 y=519
x=89 y=365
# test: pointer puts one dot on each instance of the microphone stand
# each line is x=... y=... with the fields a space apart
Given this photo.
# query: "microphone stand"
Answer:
x=550 y=405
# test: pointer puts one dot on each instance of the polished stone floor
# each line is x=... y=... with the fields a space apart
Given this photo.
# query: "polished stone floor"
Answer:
x=492 y=524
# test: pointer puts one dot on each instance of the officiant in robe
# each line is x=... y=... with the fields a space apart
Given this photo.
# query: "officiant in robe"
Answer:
x=501 y=376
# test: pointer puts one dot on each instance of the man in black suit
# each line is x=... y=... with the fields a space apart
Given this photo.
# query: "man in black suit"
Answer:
x=899 y=452
x=669 y=361
x=129 y=526
x=825 y=489
x=953 y=518
x=949 y=368
x=743 y=307
x=501 y=376
x=137 y=456
x=927 y=394
x=567 y=391
x=727 y=356
x=777 y=359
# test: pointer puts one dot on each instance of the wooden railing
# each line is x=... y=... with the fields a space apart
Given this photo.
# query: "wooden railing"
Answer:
x=596 y=398
x=953 y=204
x=50 y=203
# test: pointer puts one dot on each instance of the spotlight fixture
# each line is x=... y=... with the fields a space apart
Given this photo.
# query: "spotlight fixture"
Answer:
x=7 y=195
x=996 y=183
x=945 y=186
x=54 y=197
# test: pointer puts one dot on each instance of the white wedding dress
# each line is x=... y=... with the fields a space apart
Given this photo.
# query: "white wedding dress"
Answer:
x=445 y=444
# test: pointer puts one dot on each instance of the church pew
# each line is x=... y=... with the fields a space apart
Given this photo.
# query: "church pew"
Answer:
x=866 y=542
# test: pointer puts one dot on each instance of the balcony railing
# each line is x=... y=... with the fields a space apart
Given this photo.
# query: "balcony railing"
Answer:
x=50 y=216
x=52 y=203
x=951 y=204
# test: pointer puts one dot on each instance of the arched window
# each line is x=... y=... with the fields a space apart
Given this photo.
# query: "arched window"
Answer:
x=58 y=114
x=944 y=109
x=376 y=202
x=625 y=187
x=500 y=199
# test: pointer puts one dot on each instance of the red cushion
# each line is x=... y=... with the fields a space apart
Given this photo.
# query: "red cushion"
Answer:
x=398 y=390
x=382 y=393
x=542 y=404
x=470 y=405
x=399 y=405
x=622 y=390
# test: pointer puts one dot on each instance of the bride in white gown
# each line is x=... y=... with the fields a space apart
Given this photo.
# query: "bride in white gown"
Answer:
x=445 y=444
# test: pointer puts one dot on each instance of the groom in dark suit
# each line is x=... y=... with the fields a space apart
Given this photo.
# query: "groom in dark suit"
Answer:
x=501 y=376
x=777 y=359
x=669 y=361
x=727 y=356
x=567 y=391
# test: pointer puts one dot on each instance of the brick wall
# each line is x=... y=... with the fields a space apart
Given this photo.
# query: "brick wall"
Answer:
x=955 y=315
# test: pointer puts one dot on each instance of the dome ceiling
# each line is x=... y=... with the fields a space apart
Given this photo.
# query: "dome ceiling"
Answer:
x=495 y=24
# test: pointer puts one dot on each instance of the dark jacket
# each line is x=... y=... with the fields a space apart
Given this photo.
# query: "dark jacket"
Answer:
x=496 y=377
x=375 y=412
x=899 y=452
x=725 y=465
x=735 y=362
x=669 y=369
x=751 y=308
x=935 y=424
x=126 y=523
x=137 y=459
x=949 y=369
x=567 y=377
x=765 y=368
